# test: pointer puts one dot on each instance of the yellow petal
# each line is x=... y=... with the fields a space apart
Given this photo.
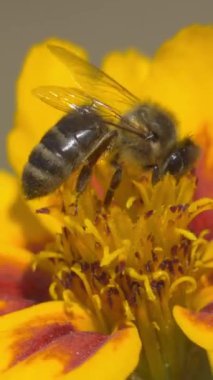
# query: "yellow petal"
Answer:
x=198 y=326
x=15 y=256
x=33 y=117
x=180 y=78
x=120 y=66
x=19 y=226
x=203 y=298
x=208 y=257
x=43 y=339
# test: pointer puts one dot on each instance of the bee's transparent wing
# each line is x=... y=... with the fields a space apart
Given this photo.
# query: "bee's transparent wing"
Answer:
x=95 y=82
x=62 y=98
x=69 y=99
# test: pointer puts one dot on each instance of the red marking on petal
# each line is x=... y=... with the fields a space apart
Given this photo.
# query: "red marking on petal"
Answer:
x=76 y=347
x=202 y=317
x=11 y=273
x=20 y=286
x=203 y=221
x=205 y=186
x=35 y=285
x=208 y=308
x=10 y=304
x=208 y=279
x=58 y=341
x=204 y=189
x=29 y=284
x=32 y=340
x=38 y=246
x=9 y=280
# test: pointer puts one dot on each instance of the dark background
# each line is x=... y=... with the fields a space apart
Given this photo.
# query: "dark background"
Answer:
x=97 y=25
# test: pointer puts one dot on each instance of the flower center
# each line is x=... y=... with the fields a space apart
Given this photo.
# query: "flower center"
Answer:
x=131 y=263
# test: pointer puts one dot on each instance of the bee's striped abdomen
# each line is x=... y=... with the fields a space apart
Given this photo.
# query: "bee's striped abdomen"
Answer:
x=59 y=152
x=48 y=165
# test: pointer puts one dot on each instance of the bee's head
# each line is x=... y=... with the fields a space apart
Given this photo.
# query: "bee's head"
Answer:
x=158 y=125
x=179 y=161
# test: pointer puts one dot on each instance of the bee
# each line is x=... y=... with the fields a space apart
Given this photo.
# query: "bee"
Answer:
x=93 y=125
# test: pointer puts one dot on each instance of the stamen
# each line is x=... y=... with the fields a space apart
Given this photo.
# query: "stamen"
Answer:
x=53 y=290
x=161 y=275
x=190 y=281
x=130 y=202
x=142 y=278
x=109 y=257
x=90 y=228
x=133 y=262
x=186 y=233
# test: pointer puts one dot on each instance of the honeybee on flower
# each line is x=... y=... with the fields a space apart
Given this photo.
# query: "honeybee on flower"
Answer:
x=145 y=135
x=111 y=290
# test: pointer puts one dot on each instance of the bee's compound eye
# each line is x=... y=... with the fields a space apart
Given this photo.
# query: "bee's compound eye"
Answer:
x=175 y=164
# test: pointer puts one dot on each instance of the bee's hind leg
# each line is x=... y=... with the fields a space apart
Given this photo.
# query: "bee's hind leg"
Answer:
x=114 y=183
x=100 y=147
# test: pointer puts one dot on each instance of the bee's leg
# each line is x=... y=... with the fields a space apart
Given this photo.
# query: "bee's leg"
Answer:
x=99 y=148
x=156 y=175
x=114 y=183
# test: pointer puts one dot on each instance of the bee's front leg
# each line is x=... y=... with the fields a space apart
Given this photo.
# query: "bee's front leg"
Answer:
x=156 y=175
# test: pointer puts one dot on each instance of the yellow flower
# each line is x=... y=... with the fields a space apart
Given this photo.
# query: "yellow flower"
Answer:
x=120 y=292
